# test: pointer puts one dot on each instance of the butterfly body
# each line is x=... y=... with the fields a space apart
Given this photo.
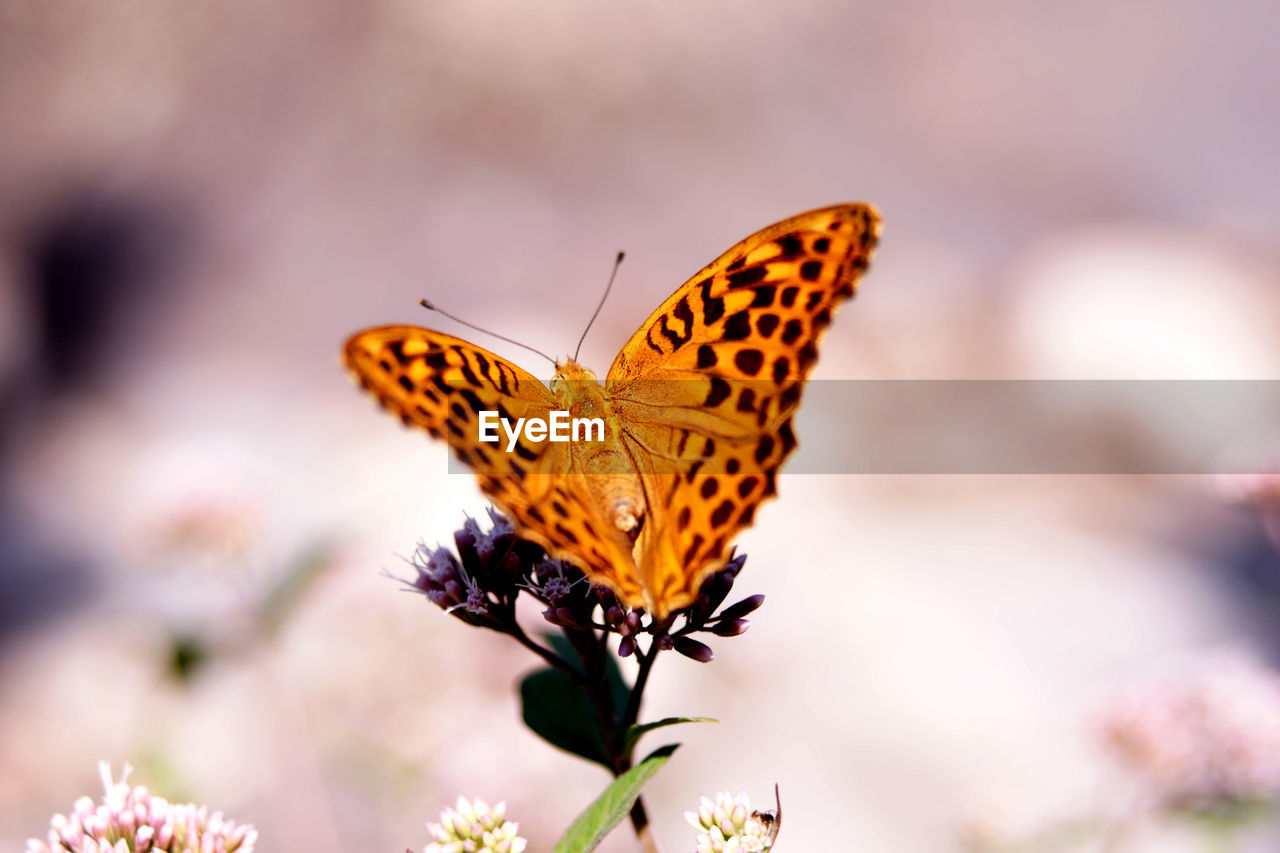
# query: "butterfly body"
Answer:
x=609 y=468
x=697 y=410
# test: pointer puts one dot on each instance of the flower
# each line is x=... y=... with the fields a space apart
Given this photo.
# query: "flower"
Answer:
x=472 y=827
x=1203 y=740
x=727 y=825
x=131 y=820
x=481 y=582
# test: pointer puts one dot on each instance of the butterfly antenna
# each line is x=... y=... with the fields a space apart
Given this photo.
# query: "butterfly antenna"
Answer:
x=617 y=263
x=433 y=307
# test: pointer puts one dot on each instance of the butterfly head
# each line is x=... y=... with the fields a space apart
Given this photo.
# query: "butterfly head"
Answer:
x=577 y=391
x=568 y=374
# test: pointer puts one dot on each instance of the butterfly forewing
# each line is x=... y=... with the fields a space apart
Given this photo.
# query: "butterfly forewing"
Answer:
x=707 y=386
x=440 y=383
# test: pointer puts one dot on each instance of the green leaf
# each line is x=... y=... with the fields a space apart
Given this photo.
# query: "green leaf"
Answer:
x=559 y=710
x=612 y=806
x=634 y=733
x=619 y=690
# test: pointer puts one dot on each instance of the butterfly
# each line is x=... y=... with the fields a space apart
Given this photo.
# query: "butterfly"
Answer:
x=696 y=410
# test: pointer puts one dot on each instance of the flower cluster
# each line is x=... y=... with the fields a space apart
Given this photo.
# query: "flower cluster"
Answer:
x=473 y=827
x=481 y=582
x=1205 y=740
x=727 y=825
x=131 y=820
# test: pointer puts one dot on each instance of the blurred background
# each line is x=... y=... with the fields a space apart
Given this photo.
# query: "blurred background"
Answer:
x=200 y=201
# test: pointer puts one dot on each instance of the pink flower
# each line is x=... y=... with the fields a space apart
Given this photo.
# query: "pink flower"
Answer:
x=1206 y=737
x=131 y=820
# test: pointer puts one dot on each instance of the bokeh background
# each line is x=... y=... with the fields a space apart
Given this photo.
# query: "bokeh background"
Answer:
x=199 y=201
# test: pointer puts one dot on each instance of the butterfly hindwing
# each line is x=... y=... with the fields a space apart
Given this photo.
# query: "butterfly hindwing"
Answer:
x=706 y=388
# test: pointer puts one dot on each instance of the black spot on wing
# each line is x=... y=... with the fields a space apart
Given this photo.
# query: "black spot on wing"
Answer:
x=781 y=369
x=679 y=337
x=749 y=361
x=719 y=392
x=790 y=245
x=747 y=277
x=472 y=399
x=694 y=546
x=712 y=307
x=764 y=296
x=789 y=398
x=737 y=327
x=808 y=355
x=787 y=436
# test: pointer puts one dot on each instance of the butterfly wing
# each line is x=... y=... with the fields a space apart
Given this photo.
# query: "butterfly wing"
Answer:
x=440 y=383
x=706 y=388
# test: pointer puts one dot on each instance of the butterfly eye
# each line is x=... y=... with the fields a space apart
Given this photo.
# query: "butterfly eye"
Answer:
x=555 y=384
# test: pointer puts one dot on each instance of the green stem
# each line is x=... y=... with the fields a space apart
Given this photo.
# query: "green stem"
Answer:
x=632 y=712
x=546 y=654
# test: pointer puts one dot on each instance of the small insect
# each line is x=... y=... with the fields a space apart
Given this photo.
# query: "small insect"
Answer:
x=697 y=410
x=770 y=823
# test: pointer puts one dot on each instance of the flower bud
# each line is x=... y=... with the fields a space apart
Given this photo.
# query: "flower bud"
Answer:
x=691 y=648
x=730 y=629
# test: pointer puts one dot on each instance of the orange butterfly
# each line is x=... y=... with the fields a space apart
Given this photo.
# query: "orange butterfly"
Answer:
x=696 y=410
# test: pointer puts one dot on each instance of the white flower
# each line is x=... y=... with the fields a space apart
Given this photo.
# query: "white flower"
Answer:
x=727 y=825
x=473 y=827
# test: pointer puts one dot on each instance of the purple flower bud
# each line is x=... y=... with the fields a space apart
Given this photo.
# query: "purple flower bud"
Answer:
x=665 y=643
x=742 y=608
x=717 y=587
x=627 y=647
x=691 y=648
x=570 y=619
x=477 y=602
x=730 y=629
x=613 y=616
x=465 y=539
x=633 y=620
x=545 y=570
x=483 y=541
x=501 y=524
